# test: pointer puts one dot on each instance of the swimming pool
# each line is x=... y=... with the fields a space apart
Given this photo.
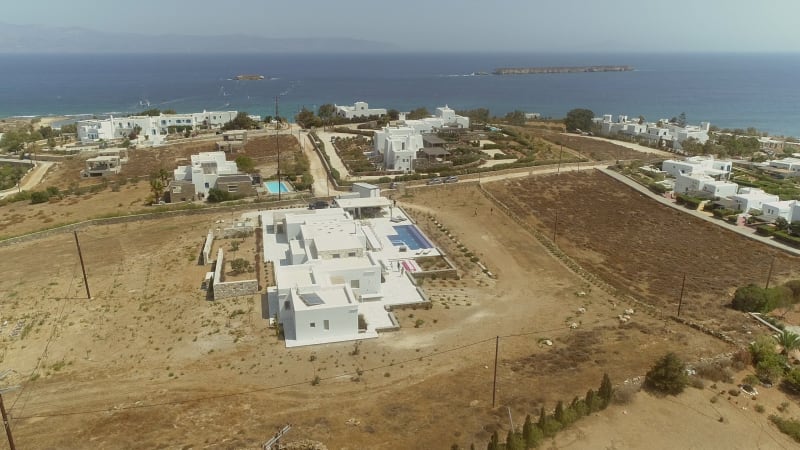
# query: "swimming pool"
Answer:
x=274 y=186
x=410 y=236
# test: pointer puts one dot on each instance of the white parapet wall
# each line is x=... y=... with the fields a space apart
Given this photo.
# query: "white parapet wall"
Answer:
x=207 y=247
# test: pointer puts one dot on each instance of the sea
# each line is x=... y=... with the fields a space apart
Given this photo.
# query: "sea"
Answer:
x=729 y=90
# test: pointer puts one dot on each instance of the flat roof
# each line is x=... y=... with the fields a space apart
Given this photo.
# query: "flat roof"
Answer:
x=336 y=241
x=321 y=298
x=369 y=202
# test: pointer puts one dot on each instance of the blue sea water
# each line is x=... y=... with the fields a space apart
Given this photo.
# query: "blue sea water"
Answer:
x=728 y=90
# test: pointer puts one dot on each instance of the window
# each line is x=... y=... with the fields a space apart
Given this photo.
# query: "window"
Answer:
x=355 y=284
x=326 y=324
x=312 y=325
x=233 y=188
x=336 y=256
x=351 y=254
x=287 y=304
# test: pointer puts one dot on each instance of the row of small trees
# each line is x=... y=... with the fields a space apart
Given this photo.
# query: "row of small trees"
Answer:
x=564 y=415
x=753 y=298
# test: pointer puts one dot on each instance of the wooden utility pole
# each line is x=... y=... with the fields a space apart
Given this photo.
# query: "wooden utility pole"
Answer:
x=83 y=267
x=769 y=274
x=6 y=423
x=680 y=299
x=494 y=383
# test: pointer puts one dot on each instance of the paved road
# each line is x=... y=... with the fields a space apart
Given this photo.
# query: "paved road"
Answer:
x=744 y=231
x=31 y=179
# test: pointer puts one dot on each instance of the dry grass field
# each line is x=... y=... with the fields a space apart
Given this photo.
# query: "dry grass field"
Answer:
x=644 y=249
x=149 y=362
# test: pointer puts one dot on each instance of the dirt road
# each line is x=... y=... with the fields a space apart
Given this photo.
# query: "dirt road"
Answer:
x=31 y=179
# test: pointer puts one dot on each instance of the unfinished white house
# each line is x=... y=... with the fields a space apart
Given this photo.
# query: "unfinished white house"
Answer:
x=444 y=117
x=205 y=169
x=336 y=277
x=359 y=109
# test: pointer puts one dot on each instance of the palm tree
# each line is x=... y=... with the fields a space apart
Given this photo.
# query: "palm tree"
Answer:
x=788 y=341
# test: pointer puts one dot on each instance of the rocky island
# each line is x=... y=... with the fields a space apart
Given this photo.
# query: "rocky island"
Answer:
x=573 y=69
x=250 y=77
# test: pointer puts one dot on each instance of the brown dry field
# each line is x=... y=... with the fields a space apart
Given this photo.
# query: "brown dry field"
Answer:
x=643 y=248
x=126 y=193
x=149 y=363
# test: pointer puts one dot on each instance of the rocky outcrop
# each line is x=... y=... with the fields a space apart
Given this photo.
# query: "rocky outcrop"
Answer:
x=575 y=69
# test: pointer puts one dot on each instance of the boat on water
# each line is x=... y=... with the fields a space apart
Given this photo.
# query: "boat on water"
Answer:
x=249 y=77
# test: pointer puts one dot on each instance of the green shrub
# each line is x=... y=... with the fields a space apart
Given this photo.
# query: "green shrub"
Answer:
x=667 y=376
x=790 y=427
x=39 y=197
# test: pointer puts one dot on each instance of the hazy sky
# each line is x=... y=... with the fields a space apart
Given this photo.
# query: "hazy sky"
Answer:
x=464 y=25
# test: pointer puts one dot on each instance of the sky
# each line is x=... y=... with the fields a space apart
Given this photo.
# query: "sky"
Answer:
x=450 y=25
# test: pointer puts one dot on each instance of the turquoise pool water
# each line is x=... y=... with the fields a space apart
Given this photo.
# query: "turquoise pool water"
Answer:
x=274 y=186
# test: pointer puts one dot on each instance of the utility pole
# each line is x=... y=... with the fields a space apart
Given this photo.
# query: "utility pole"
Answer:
x=555 y=226
x=6 y=422
x=278 y=147
x=558 y=169
x=769 y=274
x=494 y=383
x=83 y=267
x=680 y=299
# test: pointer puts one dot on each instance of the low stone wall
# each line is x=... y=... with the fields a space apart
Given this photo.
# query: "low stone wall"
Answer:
x=230 y=289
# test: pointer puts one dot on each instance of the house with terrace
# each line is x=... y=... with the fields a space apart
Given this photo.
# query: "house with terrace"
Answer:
x=337 y=277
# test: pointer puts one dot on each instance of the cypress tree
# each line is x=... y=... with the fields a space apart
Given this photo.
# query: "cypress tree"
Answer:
x=526 y=429
x=590 y=401
x=494 y=443
x=606 y=391
x=559 y=414
x=542 y=418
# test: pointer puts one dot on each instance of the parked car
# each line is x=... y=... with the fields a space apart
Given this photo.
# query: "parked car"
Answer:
x=394 y=185
x=319 y=204
x=434 y=181
x=451 y=179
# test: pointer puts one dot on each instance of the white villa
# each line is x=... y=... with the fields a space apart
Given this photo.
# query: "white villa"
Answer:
x=359 y=109
x=704 y=185
x=698 y=165
x=205 y=169
x=152 y=128
x=790 y=165
x=662 y=131
x=398 y=144
x=752 y=199
x=788 y=209
x=336 y=276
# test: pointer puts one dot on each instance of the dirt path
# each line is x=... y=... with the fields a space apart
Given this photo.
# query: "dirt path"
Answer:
x=31 y=179
x=633 y=146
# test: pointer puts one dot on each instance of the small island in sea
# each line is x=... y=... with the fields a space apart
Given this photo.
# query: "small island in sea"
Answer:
x=568 y=69
x=249 y=77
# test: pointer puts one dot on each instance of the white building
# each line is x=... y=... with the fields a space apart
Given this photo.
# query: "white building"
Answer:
x=359 y=109
x=204 y=170
x=698 y=165
x=704 y=185
x=791 y=165
x=445 y=117
x=398 y=145
x=151 y=128
x=654 y=132
x=752 y=199
x=335 y=276
x=788 y=209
